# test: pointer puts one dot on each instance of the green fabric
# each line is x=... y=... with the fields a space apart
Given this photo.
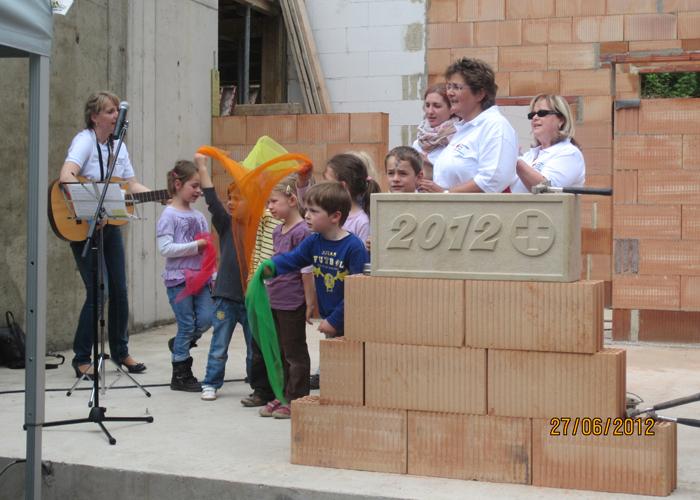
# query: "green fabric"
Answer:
x=262 y=324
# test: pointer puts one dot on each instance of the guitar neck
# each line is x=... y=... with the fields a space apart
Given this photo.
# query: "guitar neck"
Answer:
x=158 y=195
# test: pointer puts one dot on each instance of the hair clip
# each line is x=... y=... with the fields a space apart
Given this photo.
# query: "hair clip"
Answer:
x=369 y=178
x=288 y=191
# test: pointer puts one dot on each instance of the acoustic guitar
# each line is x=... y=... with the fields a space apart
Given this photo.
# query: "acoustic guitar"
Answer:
x=68 y=228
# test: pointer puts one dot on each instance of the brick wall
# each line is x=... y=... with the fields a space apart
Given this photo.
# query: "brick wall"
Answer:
x=656 y=214
x=317 y=136
x=650 y=154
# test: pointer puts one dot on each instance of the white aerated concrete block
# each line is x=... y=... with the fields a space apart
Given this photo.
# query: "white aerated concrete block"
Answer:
x=331 y=40
x=396 y=63
x=396 y=12
x=339 y=65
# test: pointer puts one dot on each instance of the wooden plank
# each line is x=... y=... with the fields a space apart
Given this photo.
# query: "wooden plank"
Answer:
x=305 y=60
x=311 y=53
x=283 y=108
x=317 y=99
x=267 y=7
x=295 y=46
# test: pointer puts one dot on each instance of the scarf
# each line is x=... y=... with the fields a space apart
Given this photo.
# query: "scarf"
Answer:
x=262 y=324
x=430 y=138
x=195 y=280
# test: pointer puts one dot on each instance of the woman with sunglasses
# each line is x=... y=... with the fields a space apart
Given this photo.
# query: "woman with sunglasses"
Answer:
x=482 y=153
x=555 y=156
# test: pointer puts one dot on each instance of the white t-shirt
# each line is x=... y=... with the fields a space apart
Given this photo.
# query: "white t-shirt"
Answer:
x=562 y=164
x=432 y=156
x=83 y=152
x=484 y=150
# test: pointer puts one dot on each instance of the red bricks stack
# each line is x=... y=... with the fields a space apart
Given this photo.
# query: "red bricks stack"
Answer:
x=656 y=222
x=475 y=380
x=317 y=136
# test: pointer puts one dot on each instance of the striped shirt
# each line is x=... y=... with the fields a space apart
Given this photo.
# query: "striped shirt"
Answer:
x=263 y=241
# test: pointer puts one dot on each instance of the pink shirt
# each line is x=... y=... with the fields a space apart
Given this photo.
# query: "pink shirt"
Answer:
x=358 y=224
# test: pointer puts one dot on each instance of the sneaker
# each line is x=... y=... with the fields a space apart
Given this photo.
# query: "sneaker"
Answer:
x=314 y=381
x=282 y=411
x=208 y=393
x=254 y=399
x=269 y=408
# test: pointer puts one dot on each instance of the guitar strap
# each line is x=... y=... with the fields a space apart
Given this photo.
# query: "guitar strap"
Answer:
x=99 y=155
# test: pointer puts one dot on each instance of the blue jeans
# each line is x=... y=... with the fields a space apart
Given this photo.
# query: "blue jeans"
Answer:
x=193 y=315
x=118 y=317
x=226 y=314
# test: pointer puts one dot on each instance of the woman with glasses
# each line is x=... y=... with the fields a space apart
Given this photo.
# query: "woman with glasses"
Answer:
x=555 y=156
x=437 y=127
x=482 y=153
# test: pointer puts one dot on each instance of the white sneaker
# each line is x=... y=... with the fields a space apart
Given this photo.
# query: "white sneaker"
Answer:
x=208 y=393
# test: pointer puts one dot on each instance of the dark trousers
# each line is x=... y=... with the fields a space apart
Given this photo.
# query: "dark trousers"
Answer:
x=118 y=317
x=291 y=332
x=258 y=374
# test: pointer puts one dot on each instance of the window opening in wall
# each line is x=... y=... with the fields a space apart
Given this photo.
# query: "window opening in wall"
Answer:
x=670 y=85
x=252 y=51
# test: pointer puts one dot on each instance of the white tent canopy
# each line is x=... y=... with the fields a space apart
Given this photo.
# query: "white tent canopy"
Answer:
x=26 y=30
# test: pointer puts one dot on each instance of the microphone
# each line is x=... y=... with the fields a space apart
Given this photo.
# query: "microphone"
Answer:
x=121 y=119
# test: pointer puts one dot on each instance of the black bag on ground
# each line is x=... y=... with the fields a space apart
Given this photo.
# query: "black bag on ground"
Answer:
x=12 y=345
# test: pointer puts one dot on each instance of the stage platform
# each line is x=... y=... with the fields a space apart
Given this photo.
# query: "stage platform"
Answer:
x=209 y=450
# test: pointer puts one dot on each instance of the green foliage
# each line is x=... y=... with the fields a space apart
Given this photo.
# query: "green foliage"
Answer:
x=661 y=85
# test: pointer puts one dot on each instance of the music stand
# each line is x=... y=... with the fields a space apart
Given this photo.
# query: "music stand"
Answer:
x=82 y=201
x=93 y=246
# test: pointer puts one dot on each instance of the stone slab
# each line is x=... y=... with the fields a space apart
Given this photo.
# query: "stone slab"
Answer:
x=476 y=236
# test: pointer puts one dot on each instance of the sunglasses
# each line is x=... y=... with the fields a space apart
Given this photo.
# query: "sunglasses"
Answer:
x=541 y=113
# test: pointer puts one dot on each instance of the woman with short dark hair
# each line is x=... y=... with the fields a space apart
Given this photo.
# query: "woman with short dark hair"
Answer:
x=482 y=153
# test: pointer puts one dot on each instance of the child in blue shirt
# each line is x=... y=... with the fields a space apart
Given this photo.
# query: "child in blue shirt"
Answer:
x=333 y=252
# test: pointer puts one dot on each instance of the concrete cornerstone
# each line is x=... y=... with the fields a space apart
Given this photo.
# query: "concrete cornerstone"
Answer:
x=477 y=236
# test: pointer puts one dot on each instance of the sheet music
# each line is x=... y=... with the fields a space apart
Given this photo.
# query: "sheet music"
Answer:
x=84 y=198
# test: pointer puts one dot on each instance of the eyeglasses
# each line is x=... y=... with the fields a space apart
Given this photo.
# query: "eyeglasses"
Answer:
x=455 y=86
x=541 y=113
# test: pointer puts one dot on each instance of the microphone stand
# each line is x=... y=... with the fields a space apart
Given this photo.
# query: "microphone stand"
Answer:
x=94 y=246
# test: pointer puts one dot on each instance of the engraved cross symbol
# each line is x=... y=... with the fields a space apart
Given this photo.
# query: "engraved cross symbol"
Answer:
x=532 y=233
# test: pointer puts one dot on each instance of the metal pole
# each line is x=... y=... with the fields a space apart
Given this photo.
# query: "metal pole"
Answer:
x=246 y=56
x=35 y=308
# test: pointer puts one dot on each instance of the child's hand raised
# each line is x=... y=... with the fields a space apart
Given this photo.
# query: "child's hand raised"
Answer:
x=200 y=160
x=327 y=329
x=268 y=272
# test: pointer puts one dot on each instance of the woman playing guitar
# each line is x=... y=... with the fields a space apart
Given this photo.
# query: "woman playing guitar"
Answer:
x=89 y=156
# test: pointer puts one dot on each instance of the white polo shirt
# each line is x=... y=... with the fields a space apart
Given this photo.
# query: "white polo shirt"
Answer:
x=484 y=150
x=83 y=152
x=562 y=164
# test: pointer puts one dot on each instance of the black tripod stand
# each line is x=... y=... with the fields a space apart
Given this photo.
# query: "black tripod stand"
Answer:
x=94 y=247
x=99 y=372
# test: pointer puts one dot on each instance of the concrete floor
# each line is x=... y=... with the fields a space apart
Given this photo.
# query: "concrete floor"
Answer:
x=219 y=449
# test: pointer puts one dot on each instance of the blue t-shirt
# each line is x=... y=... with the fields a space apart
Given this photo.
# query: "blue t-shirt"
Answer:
x=332 y=261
